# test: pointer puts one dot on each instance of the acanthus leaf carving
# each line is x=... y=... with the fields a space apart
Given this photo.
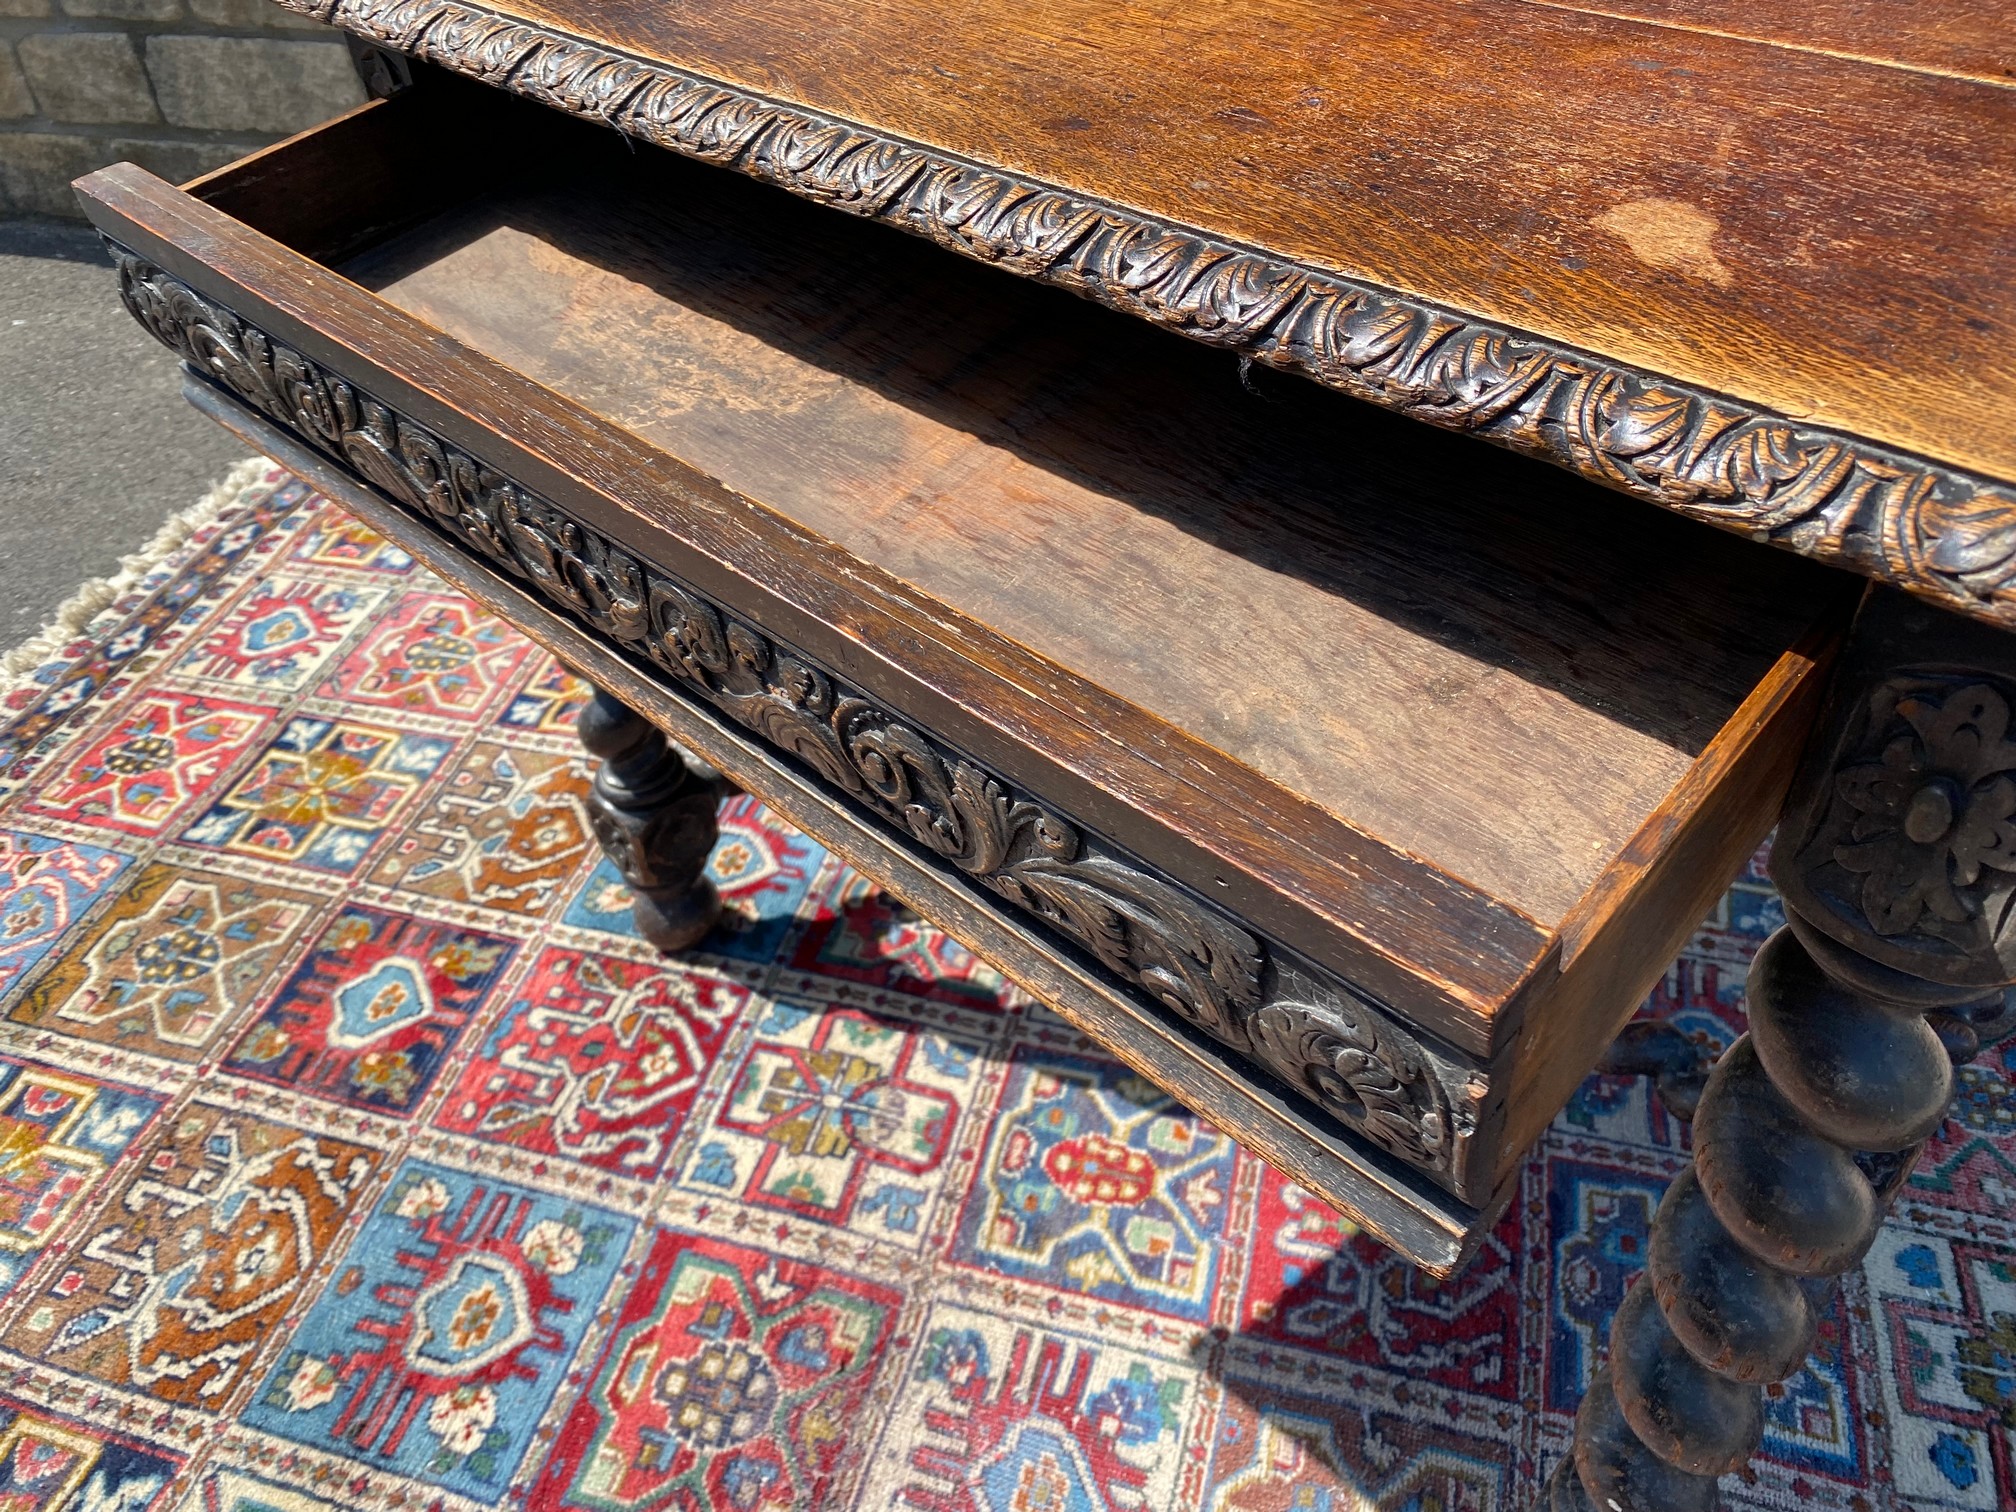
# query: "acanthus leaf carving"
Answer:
x=1189 y=957
x=1974 y=540
x=1363 y=1068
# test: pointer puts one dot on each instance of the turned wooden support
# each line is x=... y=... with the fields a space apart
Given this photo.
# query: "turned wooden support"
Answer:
x=1676 y=1066
x=1896 y=858
x=383 y=71
x=654 y=817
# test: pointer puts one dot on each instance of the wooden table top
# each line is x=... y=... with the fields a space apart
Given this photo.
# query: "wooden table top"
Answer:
x=1753 y=262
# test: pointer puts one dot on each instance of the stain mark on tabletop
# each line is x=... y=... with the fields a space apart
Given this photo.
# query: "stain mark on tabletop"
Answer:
x=1670 y=235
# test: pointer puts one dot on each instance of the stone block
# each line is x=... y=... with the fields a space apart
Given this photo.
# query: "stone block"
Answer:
x=36 y=169
x=268 y=84
x=15 y=100
x=177 y=162
x=126 y=10
x=87 y=77
x=24 y=7
x=252 y=15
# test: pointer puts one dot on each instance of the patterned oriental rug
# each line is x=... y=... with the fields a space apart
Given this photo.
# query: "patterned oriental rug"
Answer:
x=357 y=1155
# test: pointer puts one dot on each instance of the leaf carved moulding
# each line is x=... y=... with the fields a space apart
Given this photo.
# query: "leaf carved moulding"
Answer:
x=1937 y=531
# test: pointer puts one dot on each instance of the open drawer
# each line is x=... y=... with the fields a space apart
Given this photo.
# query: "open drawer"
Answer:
x=1351 y=780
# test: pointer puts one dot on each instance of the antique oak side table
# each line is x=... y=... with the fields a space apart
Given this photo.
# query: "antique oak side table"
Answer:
x=1350 y=778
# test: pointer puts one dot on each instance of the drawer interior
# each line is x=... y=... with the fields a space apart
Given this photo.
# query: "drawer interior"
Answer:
x=1486 y=663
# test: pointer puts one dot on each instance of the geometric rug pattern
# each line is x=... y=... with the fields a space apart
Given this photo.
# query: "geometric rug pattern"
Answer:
x=355 y=1153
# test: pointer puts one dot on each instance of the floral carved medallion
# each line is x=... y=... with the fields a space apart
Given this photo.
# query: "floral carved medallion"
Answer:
x=1933 y=816
x=1915 y=846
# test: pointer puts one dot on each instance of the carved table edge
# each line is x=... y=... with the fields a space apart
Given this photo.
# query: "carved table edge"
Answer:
x=1324 y=1039
x=1938 y=531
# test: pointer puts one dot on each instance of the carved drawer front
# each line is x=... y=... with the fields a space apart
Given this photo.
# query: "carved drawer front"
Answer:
x=1351 y=780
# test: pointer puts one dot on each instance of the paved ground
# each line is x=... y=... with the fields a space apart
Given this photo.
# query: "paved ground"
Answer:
x=96 y=444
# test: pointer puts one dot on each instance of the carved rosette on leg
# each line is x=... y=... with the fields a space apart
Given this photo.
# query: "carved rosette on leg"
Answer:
x=1897 y=861
x=654 y=817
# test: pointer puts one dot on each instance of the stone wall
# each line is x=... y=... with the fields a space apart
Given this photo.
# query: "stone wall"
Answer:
x=177 y=86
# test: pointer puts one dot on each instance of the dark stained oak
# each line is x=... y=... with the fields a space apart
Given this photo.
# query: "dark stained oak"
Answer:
x=1407 y=927
x=356 y=180
x=1435 y=1230
x=653 y=817
x=1388 y=767
x=1407 y=680
x=1648 y=904
x=1860 y=1006
x=1797 y=472
x=1350 y=780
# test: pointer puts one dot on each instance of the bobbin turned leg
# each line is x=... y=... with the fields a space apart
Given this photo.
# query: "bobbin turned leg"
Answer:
x=654 y=817
x=1897 y=861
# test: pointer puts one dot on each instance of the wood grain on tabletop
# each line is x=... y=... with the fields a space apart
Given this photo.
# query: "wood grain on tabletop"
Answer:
x=1406 y=628
x=1826 y=237
x=1969 y=37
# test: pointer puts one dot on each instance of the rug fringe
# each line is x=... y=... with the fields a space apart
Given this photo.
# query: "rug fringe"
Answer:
x=96 y=595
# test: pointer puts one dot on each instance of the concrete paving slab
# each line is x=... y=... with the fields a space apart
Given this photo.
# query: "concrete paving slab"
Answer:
x=97 y=447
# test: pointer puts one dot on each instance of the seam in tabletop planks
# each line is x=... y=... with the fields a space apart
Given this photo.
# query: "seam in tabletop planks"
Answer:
x=1303 y=1024
x=1939 y=532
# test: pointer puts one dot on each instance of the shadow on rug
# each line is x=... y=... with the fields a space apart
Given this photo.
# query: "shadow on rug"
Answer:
x=357 y=1155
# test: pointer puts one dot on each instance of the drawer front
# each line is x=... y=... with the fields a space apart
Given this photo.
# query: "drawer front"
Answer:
x=1447 y=954
x=1375 y=1023
x=1197 y=962
x=1386 y=1196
